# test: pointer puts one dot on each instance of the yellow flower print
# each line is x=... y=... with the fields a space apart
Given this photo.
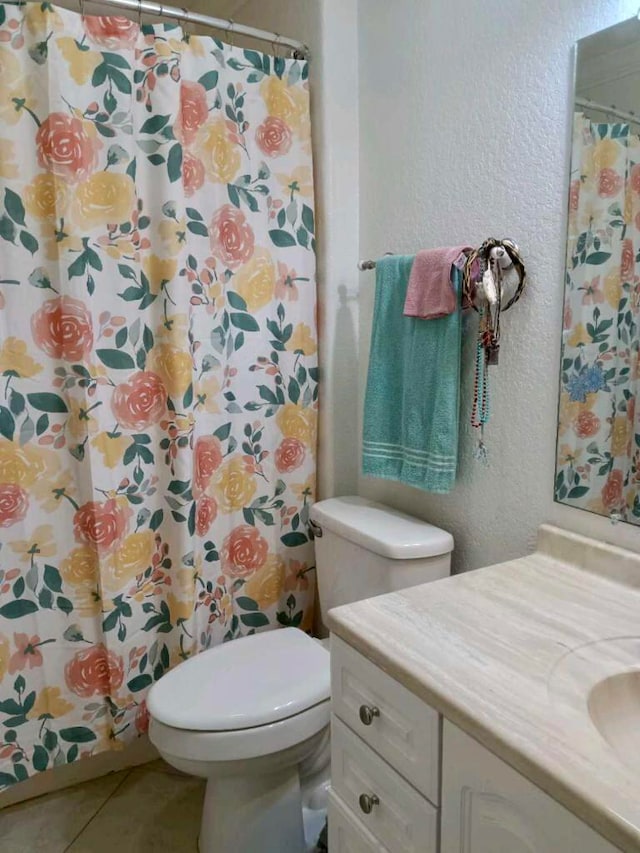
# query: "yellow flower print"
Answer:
x=81 y=63
x=174 y=366
x=50 y=702
x=15 y=360
x=579 y=336
x=131 y=559
x=41 y=543
x=605 y=154
x=302 y=340
x=266 y=585
x=290 y=103
x=297 y=422
x=613 y=289
x=620 y=435
x=5 y=654
x=300 y=180
x=207 y=393
x=159 y=271
x=219 y=154
x=305 y=491
x=120 y=248
x=179 y=608
x=13 y=84
x=80 y=421
x=87 y=601
x=111 y=447
x=80 y=567
x=48 y=490
x=105 y=197
x=570 y=409
x=233 y=486
x=173 y=234
x=41 y=18
x=255 y=281
x=568 y=455
x=21 y=466
x=46 y=197
x=8 y=165
x=177 y=333
x=58 y=244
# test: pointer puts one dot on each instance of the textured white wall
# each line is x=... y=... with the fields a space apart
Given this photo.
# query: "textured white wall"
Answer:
x=464 y=133
x=329 y=27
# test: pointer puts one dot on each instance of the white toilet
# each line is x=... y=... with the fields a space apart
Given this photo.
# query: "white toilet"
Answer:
x=252 y=716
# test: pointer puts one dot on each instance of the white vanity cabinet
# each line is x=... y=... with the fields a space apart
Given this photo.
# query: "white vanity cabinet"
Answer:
x=405 y=781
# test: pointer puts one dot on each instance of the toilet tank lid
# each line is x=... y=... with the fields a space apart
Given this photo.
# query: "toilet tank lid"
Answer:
x=381 y=529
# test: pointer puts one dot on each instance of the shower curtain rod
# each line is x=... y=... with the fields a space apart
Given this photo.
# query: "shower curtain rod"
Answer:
x=148 y=7
x=587 y=103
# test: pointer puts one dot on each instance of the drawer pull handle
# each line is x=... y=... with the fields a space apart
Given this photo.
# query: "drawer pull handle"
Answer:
x=367 y=802
x=368 y=713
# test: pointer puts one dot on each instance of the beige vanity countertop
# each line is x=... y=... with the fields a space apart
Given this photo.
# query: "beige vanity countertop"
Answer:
x=494 y=651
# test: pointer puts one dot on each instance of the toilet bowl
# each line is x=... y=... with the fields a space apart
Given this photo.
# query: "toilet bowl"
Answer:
x=252 y=718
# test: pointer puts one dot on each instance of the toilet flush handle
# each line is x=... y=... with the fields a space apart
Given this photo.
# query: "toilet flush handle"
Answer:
x=368 y=713
x=315 y=528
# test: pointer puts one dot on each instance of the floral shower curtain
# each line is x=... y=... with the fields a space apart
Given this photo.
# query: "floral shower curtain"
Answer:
x=158 y=361
x=598 y=465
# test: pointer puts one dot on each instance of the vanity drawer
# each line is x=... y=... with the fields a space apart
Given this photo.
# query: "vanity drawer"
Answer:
x=405 y=731
x=346 y=835
x=401 y=820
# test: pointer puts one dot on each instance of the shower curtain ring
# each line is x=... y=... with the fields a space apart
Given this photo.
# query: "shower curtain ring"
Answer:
x=230 y=31
x=274 y=43
x=81 y=5
x=140 y=13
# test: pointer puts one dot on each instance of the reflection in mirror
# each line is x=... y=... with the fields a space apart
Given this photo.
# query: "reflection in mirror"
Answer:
x=598 y=454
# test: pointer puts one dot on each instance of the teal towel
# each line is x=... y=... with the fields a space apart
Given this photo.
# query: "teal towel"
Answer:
x=411 y=410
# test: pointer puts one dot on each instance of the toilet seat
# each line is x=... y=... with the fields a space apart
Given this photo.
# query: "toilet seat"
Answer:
x=253 y=684
x=242 y=743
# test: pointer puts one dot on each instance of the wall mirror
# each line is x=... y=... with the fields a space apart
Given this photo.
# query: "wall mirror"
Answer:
x=598 y=449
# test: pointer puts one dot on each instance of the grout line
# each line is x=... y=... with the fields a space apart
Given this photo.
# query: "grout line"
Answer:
x=97 y=811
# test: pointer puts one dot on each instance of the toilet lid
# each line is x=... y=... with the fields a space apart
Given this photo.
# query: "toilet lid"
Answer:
x=245 y=683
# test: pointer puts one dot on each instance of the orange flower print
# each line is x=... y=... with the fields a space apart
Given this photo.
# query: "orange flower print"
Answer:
x=206 y=512
x=27 y=654
x=586 y=424
x=232 y=240
x=208 y=458
x=192 y=173
x=140 y=402
x=62 y=329
x=14 y=504
x=111 y=31
x=193 y=111
x=101 y=525
x=612 y=496
x=66 y=148
x=609 y=183
x=274 y=137
x=627 y=263
x=243 y=551
x=289 y=455
x=94 y=672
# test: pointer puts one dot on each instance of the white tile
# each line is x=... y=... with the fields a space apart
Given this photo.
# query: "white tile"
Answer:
x=153 y=811
x=50 y=823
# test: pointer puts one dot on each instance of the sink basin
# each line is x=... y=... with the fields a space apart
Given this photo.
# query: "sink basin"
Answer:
x=614 y=708
x=598 y=685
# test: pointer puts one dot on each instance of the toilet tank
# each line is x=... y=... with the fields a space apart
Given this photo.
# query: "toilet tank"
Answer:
x=364 y=549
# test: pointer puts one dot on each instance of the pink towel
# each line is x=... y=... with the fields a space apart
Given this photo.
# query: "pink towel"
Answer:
x=430 y=294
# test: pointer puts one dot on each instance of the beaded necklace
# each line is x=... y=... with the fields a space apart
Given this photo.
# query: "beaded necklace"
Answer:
x=482 y=286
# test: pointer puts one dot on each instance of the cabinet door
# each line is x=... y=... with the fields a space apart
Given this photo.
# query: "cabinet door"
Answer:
x=487 y=807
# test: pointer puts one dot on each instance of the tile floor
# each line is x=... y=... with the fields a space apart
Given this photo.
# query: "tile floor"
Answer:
x=149 y=809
